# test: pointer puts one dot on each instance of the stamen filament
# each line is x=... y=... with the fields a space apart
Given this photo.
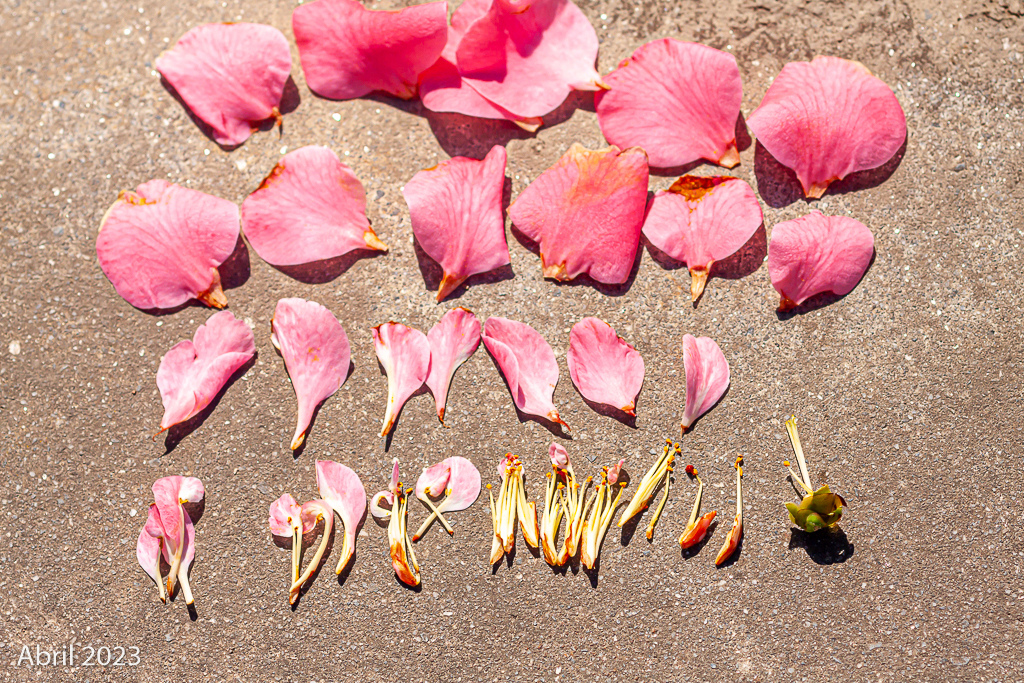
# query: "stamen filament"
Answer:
x=794 y=436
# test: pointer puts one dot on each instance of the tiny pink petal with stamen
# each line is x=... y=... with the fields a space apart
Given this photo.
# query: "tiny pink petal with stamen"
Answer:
x=615 y=471
x=559 y=456
x=817 y=253
x=341 y=488
x=707 y=376
x=404 y=354
x=603 y=366
x=285 y=514
x=452 y=341
x=828 y=118
x=455 y=478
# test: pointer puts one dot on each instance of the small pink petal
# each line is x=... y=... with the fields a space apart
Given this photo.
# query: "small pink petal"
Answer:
x=603 y=366
x=559 y=456
x=679 y=101
x=586 y=213
x=348 y=51
x=615 y=471
x=405 y=355
x=310 y=208
x=341 y=488
x=285 y=515
x=455 y=478
x=316 y=354
x=707 y=376
x=828 y=118
x=193 y=372
x=817 y=253
x=434 y=480
x=528 y=364
x=147 y=549
x=169 y=494
x=452 y=341
x=160 y=246
x=231 y=76
x=312 y=510
x=455 y=209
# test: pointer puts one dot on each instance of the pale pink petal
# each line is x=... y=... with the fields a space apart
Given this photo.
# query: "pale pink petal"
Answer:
x=434 y=480
x=455 y=209
x=147 y=549
x=404 y=354
x=586 y=212
x=817 y=253
x=310 y=208
x=603 y=366
x=193 y=372
x=707 y=376
x=528 y=364
x=341 y=488
x=170 y=493
x=161 y=245
x=452 y=341
x=615 y=471
x=679 y=101
x=316 y=354
x=559 y=456
x=231 y=76
x=312 y=510
x=463 y=485
x=828 y=118
x=285 y=515
x=349 y=51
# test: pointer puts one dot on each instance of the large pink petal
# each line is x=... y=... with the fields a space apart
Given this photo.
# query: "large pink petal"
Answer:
x=285 y=515
x=348 y=51
x=193 y=372
x=528 y=364
x=344 y=492
x=405 y=355
x=817 y=253
x=603 y=366
x=707 y=376
x=586 y=213
x=316 y=354
x=679 y=101
x=702 y=220
x=452 y=341
x=231 y=76
x=161 y=245
x=310 y=208
x=828 y=118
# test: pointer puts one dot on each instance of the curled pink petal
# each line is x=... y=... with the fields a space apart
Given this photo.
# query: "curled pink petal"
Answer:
x=147 y=549
x=817 y=253
x=586 y=213
x=312 y=511
x=707 y=376
x=193 y=372
x=170 y=494
x=828 y=118
x=316 y=354
x=615 y=471
x=285 y=515
x=311 y=207
x=603 y=366
x=160 y=246
x=455 y=209
x=348 y=51
x=679 y=101
x=701 y=220
x=452 y=341
x=341 y=488
x=528 y=364
x=434 y=479
x=455 y=481
x=559 y=456
x=405 y=355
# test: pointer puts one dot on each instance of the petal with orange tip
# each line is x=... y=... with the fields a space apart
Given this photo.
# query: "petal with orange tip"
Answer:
x=603 y=366
x=404 y=353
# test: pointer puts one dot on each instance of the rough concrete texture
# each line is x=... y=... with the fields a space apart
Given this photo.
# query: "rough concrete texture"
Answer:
x=908 y=388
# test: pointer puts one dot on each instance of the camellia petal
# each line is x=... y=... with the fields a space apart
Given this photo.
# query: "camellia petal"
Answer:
x=148 y=549
x=344 y=492
x=310 y=208
x=707 y=376
x=405 y=355
x=160 y=246
x=603 y=366
x=452 y=341
x=169 y=494
x=679 y=101
x=348 y=51
x=817 y=253
x=285 y=515
x=456 y=481
x=586 y=213
x=828 y=118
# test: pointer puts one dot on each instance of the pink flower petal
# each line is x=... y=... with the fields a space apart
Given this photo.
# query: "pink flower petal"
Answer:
x=312 y=510
x=559 y=456
x=603 y=366
x=707 y=376
x=147 y=549
x=817 y=253
x=615 y=471
x=405 y=355
x=528 y=364
x=455 y=209
x=161 y=245
x=341 y=488
x=455 y=478
x=679 y=101
x=178 y=532
x=828 y=118
x=452 y=341
x=348 y=51
x=231 y=76
x=702 y=220
x=316 y=354
x=285 y=515
x=193 y=372
x=310 y=208
x=586 y=213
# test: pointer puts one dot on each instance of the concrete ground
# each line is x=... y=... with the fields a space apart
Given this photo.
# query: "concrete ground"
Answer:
x=908 y=388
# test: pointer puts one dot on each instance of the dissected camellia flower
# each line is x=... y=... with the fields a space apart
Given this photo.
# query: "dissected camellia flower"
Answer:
x=828 y=118
x=455 y=209
x=697 y=527
x=818 y=253
x=585 y=213
x=679 y=101
x=231 y=76
x=601 y=506
x=288 y=519
x=348 y=51
x=707 y=376
x=456 y=481
x=343 y=491
x=405 y=355
x=701 y=220
x=660 y=471
x=310 y=208
x=732 y=541
x=603 y=366
x=169 y=534
x=193 y=372
x=819 y=509
x=528 y=364
x=511 y=505
x=403 y=559
x=452 y=341
x=160 y=246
